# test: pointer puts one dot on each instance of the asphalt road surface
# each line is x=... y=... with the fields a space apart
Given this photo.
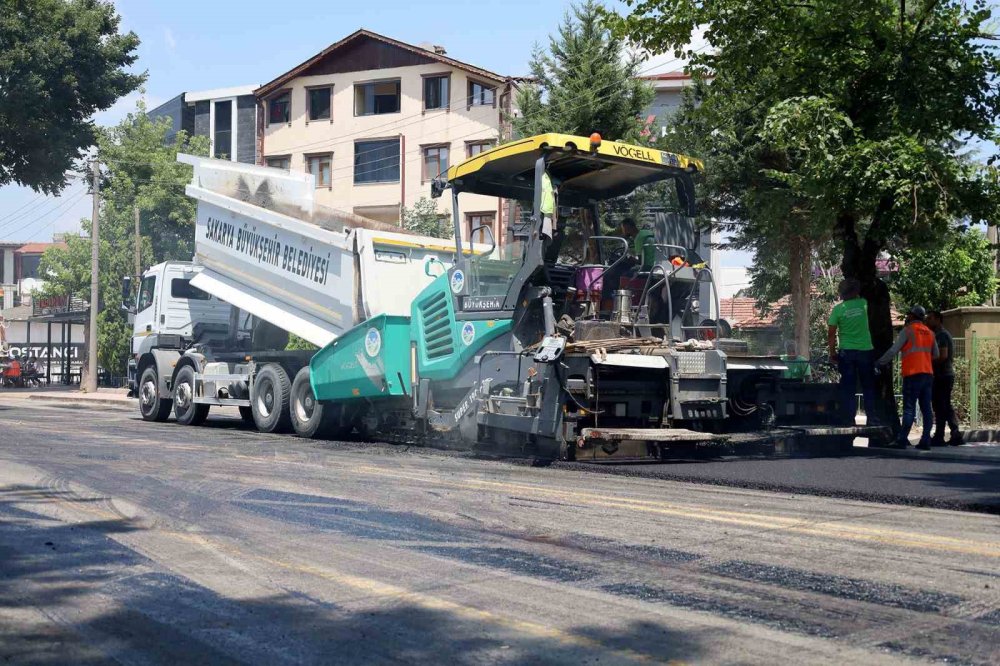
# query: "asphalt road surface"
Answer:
x=129 y=542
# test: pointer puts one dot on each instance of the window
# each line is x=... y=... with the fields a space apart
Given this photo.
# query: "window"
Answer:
x=376 y=161
x=318 y=103
x=473 y=148
x=222 y=136
x=146 y=290
x=481 y=94
x=29 y=265
x=435 y=162
x=279 y=108
x=436 y=92
x=281 y=162
x=181 y=288
x=375 y=98
x=474 y=220
x=320 y=166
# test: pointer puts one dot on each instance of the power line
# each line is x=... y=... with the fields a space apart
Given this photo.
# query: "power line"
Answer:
x=61 y=208
x=20 y=208
x=52 y=203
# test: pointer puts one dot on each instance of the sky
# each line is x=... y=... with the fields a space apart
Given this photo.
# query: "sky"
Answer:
x=189 y=45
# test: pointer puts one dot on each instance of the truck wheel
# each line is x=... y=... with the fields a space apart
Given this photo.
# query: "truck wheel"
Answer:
x=269 y=399
x=310 y=418
x=151 y=405
x=186 y=410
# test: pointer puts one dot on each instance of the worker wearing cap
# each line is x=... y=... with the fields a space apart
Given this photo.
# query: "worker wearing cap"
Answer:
x=919 y=350
x=850 y=344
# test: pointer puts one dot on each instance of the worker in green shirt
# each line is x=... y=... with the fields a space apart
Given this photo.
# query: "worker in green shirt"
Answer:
x=798 y=365
x=644 y=250
x=850 y=344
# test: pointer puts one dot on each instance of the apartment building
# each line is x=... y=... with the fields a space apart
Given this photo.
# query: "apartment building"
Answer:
x=19 y=271
x=669 y=88
x=228 y=116
x=375 y=120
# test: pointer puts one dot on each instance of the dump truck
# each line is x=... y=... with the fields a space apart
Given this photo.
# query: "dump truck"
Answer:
x=268 y=262
x=557 y=343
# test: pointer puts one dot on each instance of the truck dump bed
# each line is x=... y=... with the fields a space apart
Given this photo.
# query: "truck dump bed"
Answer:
x=270 y=250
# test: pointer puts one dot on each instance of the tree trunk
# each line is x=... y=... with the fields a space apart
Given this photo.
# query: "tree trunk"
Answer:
x=800 y=270
x=859 y=262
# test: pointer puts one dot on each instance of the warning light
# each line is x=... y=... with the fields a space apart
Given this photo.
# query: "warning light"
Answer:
x=595 y=141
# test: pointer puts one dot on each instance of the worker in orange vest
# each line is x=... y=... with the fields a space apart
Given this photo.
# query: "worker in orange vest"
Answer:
x=919 y=349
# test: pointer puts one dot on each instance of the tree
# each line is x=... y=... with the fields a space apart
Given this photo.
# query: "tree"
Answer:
x=584 y=83
x=863 y=104
x=424 y=218
x=955 y=272
x=60 y=61
x=139 y=168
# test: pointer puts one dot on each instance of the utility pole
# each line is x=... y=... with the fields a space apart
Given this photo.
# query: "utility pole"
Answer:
x=993 y=237
x=138 y=245
x=95 y=239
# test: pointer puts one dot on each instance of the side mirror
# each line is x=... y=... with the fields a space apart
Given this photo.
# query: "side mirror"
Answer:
x=438 y=187
x=127 y=293
x=493 y=241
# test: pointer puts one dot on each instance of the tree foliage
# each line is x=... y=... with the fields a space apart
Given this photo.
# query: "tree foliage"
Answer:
x=139 y=168
x=956 y=271
x=584 y=82
x=60 y=61
x=423 y=218
x=855 y=111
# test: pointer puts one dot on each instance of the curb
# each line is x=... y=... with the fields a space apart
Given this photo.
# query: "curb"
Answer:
x=127 y=403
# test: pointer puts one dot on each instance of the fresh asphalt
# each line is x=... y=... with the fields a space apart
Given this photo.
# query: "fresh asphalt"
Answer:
x=130 y=542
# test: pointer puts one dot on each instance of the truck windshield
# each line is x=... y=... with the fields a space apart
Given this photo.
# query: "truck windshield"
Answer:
x=491 y=274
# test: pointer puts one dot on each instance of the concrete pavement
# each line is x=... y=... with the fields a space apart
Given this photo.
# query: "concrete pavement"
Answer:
x=123 y=541
x=72 y=395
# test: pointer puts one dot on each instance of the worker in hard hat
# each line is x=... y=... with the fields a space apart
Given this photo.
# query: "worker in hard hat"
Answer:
x=919 y=350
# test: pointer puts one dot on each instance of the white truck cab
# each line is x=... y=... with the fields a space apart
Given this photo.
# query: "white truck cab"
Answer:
x=167 y=303
x=169 y=315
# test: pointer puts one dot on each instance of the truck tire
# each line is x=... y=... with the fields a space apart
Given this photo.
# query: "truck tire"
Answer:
x=310 y=418
x=186 y=411
x=246 y=413
x=269 y=399
x=151 y=406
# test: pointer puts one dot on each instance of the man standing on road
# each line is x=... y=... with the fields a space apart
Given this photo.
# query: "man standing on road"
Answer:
x=919 y=350
x=944 y=383
x=849 y=322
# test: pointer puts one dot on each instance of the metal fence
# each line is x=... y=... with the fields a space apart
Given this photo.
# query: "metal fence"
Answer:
x=977 y=381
